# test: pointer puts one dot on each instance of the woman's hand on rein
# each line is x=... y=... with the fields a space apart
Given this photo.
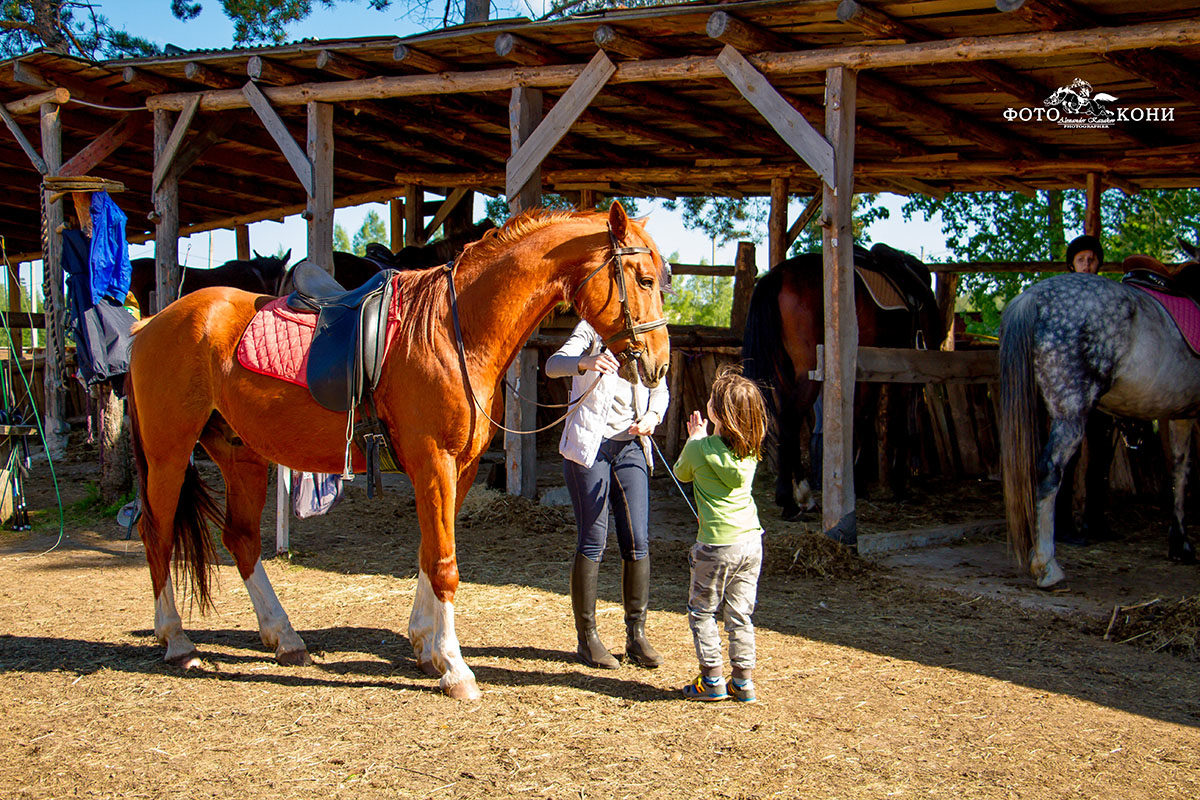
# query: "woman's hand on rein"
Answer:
x=697 y=426
x=603 y=361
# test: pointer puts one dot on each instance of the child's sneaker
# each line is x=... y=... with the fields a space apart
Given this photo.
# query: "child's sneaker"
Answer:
x=706 y=689
x=742 y=692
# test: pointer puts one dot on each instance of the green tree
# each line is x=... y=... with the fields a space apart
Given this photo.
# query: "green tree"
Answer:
x=864 y=211
x=341 y=239
x=497 y=207
x=699 y=300
x=76 y=26
x=1005 y=226
x=373 y=229
x=723 y=219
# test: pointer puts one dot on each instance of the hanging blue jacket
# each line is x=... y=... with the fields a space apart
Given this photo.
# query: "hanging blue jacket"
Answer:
x=108 y=261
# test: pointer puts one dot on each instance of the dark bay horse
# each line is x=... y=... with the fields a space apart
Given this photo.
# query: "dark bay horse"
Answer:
x=261 y=275
x=785 y=324
x=1074 y=343
x=186 y=385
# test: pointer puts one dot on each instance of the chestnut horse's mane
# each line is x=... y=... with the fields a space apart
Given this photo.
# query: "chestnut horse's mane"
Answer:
x=425 y=292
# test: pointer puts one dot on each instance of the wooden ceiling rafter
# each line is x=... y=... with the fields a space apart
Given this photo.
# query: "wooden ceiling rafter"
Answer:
x=209 y=76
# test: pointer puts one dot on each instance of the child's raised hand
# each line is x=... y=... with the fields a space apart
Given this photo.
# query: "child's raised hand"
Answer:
x=697 y=426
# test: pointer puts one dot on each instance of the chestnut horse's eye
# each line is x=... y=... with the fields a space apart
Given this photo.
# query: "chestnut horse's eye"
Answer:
x=646 y=283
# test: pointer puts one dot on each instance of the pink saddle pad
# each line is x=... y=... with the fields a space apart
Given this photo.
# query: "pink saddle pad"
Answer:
x=277 y=340
x=1185 y=313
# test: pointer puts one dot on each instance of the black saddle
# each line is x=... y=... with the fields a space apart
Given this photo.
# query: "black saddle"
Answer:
x=345 y=359
x=907 y=273
x=351 y=335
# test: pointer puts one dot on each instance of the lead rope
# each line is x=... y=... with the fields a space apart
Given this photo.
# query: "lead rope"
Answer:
x=462 y=360
x=663 y=459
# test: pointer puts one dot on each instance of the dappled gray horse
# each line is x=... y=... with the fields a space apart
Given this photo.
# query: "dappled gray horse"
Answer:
x=1081 y=342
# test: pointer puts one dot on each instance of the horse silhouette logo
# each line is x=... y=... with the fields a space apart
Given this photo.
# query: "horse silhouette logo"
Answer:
x=1078 y=100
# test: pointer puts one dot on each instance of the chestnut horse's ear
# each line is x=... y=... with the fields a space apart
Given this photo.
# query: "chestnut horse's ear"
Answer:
x=618 y=222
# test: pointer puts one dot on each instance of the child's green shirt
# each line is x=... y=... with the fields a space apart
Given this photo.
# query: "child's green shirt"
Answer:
x=721 y=485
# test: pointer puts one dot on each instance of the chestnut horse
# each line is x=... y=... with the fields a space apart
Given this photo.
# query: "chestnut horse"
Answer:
x=436 y=395
x=784 y=325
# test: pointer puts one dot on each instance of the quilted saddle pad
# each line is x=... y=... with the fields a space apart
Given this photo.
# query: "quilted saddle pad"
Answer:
x=1185 y=313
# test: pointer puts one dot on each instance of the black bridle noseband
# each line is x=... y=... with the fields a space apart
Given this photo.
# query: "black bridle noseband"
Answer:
x=631 y=329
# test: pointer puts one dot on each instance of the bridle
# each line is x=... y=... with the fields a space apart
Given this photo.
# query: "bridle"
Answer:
x=630 y=331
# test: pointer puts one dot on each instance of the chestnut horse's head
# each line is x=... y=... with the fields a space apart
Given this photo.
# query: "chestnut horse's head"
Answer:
x=621 y=297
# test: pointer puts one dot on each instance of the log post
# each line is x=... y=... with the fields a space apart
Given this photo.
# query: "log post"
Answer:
x=841 y=325
x=1091 y=220
x=947 y=295
x=55 y=419
x=520 y=412
x=14 y=307
x=319 y=211
x=242 y=234
x=745 y=270
x=396 y=231
x=413 y=218
x=587 y=199
x=166 y=226
x=777 y=227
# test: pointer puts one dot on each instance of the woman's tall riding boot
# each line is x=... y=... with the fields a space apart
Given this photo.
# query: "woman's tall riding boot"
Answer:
x=635 y=586
x=583 y=602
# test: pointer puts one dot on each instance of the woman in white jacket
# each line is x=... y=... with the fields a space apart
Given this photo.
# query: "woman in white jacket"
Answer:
x=605 y=448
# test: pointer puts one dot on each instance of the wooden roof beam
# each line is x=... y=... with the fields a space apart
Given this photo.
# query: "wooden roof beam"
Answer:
x=743 y=36
x=615 y=40
x=1179 y=33
x=419 y=60
x=81 y=90
x=206 y=75
x=344 y=66
x=142 y=79
x=265 y=70
x=1167 y=71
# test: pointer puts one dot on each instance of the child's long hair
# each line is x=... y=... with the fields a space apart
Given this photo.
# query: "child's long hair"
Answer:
x=738 y=405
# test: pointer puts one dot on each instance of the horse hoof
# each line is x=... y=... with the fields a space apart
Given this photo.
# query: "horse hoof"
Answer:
x=186 y=661
x=1051 y=575
x=428 y=668
x=294 y=658
x=463 y=690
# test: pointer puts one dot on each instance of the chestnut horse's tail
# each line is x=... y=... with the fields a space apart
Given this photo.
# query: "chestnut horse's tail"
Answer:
x=1018 y=425
x=191 y=541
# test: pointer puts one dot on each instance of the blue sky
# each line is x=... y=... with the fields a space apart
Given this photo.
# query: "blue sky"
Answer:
x=152 y=19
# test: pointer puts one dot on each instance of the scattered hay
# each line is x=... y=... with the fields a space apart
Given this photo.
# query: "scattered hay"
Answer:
x=491 y=508
x=810 y=555
x=1159 y=624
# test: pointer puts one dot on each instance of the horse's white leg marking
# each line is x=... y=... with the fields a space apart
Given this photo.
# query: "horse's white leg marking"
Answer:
x=431 y=631
x=1041 y=561
x=168 y=627
x=273 y=623
x=803 y=494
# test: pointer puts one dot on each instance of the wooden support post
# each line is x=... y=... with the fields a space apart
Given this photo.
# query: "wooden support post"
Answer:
x=587 y=199
x=413 y=218
x=745 y=270
x=14 y=307
x=841 y=325
x=1091 y=220
x=166 y=227
x=55 y=419
x=396 y=232
x=320 y=201
x=520 y=412
x=283 y=509
x=947 y=295
x=242 y=234
x=777 y=222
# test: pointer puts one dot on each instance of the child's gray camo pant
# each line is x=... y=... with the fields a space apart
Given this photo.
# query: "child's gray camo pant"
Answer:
x=725 y=582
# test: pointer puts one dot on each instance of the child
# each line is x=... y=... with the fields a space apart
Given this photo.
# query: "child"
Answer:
x=727 y=556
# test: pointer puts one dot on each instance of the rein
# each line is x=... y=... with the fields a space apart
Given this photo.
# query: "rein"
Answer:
x=630 y=332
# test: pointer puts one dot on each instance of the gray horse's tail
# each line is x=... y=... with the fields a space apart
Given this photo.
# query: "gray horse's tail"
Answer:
x=1018 y=425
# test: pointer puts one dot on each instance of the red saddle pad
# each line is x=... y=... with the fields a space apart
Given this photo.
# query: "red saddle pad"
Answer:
x=277 y=340
x=1185 y=313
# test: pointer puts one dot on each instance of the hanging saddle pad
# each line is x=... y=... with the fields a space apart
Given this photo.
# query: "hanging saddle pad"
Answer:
x=1184 y=311
x=881 y=290
x=278 y=338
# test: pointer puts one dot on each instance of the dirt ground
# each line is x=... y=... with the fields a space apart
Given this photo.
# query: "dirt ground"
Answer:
x=937 y=673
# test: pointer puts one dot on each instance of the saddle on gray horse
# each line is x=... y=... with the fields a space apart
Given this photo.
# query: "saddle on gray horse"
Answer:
x=345 y=360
